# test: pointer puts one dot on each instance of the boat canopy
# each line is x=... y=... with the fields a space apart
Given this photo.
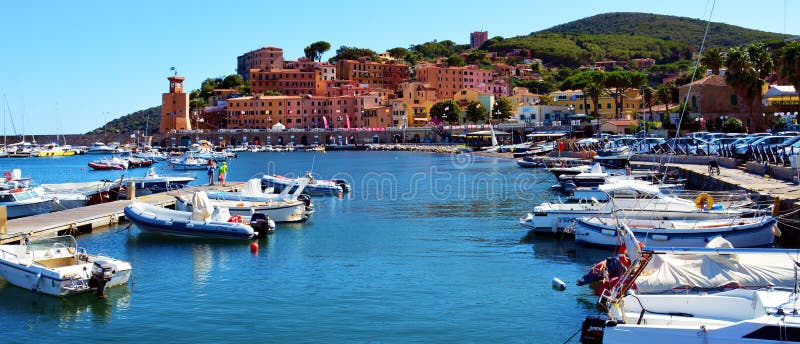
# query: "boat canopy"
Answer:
x=629 y=185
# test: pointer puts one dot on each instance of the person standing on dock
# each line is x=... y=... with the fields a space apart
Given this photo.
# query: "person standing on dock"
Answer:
x=211 y=166
x=223 y=171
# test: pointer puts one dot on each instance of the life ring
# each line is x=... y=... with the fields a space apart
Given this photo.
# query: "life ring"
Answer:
x=704 y=201
x=235 y=219
x=7 y=175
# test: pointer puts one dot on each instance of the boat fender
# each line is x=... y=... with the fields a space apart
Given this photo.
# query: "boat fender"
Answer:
x=7 y=175
x=559 y=284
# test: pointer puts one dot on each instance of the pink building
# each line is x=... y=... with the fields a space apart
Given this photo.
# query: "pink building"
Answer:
x=266 y=57
x=477 y=38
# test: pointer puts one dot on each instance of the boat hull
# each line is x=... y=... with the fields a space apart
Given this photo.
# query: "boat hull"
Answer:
x=755 y=234
x=19 y=209
x=314 y=189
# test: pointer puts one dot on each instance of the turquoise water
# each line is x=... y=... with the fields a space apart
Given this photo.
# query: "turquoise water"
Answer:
x=425 y=249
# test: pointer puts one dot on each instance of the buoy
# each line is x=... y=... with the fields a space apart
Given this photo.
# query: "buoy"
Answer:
x=559 y=284
x=254 y=247
x=339 y=195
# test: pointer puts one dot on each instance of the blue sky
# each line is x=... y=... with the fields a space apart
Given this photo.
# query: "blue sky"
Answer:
x=72 y=64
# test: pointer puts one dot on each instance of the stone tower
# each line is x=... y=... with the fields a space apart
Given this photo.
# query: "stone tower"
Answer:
x=175 y=107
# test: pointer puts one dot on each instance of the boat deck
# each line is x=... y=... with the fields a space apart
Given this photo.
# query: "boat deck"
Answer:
x=85 y=219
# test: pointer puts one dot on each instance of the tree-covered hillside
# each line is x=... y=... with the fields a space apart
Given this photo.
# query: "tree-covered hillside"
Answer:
x=577 y=49
x=671 y=28
x=134 y=121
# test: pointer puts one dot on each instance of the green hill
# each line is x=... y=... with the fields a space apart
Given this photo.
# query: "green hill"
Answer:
x=669 y=28
x=134 y=121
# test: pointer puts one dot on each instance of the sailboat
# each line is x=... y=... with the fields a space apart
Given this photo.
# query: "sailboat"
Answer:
x=495 y=145
x=3 y=150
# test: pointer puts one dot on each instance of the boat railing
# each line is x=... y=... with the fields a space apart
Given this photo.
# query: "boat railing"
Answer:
x=9 y=256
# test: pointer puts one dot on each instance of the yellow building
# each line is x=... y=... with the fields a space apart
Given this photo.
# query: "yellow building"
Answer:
x=631 y=103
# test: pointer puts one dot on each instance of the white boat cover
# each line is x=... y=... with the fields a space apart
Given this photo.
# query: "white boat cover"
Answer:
x=202 y=210
x=673 y=272
x=86 y=188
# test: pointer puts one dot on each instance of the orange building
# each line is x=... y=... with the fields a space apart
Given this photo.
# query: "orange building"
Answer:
x=373 y=74
x=298 y=112
x=175 y=107
x=290 y=82
x=266 y=57
x=449 y=80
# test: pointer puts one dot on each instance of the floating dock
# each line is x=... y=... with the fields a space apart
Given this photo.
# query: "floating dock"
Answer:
x=85 y=219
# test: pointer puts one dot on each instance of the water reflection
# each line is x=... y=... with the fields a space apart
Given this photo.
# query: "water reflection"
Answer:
x=43 y=309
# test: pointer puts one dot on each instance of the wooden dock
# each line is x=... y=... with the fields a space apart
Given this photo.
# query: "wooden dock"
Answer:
x=85 y=219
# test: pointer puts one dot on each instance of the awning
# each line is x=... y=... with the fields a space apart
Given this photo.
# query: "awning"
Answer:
x=487 y=133
x=545 y=134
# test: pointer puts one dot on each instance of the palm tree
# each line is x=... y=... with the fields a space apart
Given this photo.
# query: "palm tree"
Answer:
x=664 y=94
x=747 y=69
x=790 y=64
x=712 y=58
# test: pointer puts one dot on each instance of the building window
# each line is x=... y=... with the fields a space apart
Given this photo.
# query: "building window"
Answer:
x=608 y=105
x=734 y=100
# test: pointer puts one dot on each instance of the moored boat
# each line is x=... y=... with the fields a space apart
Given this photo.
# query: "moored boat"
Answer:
x=109 y=164
x=24 y=202
x=202 y=221
x=156 y=183
x=741 y=232
x=58 y=267
x=329 y=187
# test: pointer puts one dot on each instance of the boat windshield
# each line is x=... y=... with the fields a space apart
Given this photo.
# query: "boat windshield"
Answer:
x=65 y=241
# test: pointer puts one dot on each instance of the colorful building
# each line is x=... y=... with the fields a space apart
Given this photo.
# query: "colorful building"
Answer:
x=290 y=82
x=449 y=80
x=266 y=57
x=477 y=38
x=175 y=107
x=373 y=74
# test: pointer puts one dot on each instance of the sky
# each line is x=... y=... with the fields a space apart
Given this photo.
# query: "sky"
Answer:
x=67 y=67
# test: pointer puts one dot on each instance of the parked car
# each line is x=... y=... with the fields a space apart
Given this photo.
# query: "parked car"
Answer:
x=684 y=145
x=760 y=144
x=715 y=146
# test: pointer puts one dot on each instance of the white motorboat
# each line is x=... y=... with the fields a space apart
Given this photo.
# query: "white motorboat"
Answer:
x=189 y=162
x=157 y=183
x=324 y=187
x=288 y=210
x=114 y=163
x=630 y=198
x=252 y=192
x=101 y=148
x=57 y=266
x=767 y=314
x=203 y=220
x=24 y=202
x=741 y=232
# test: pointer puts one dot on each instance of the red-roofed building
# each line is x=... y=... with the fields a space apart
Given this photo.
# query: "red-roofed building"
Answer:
x=711 y=98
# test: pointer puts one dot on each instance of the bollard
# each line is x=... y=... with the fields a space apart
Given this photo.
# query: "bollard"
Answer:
x=776 y=206
x=3 y=220
x=130 y=193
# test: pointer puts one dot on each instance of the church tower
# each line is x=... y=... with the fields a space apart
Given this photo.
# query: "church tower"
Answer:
x=175 y=107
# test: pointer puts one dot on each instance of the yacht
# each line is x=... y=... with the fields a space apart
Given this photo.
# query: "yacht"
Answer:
x=100 y=148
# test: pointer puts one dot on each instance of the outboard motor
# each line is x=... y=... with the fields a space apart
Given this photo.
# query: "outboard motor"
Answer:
x=592 y=329
x=102 y=272
x=569 y=187
x=305 y=199
x=342 y=184
x=262 y=224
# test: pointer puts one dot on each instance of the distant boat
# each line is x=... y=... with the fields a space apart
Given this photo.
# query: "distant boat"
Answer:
x=109 y=164
x=156 y=183
x=189 y=162
x=100 y=148
x=56 y=150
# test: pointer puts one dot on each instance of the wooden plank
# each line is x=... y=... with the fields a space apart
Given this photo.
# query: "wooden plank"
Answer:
x=93 y=216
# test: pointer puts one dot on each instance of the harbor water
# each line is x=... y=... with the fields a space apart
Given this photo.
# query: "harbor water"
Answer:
x=425 y=249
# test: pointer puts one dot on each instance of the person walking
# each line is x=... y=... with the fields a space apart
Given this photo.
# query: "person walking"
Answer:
x=223 y=171
x=211 y=166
